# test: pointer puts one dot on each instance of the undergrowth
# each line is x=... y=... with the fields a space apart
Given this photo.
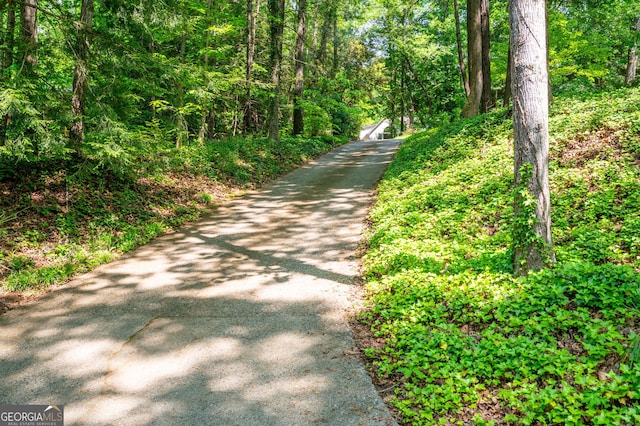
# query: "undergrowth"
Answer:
x=59 y=219
x=466 y=342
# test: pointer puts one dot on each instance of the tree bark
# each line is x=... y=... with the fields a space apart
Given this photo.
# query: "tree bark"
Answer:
x=9 y=38
x=402 y=102
x=29 y=32
x=7 y=60
x=322 y=47
x=533 y=247
x=250 y=118
x=325 y=32
x=632 y=64
x=204 y=133
x=336 y=39
x=276 y=29
x=474 y=48
x=298 y=94
x=182 y=136
x=80 y=79
x=314 y=33
x=486 y=102
x=463 y=71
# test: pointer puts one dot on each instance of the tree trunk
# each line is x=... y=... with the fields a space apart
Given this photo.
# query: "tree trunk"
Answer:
x=298 y=112
x=7 y=61
x=80 y=79
x=463 y=71
x=276 y=29
x=393 y=88
x=474 y=48
x=314 y=39
x=249 y=111
x=418 y=80
x=204 y=132
x=9 y=38
x=29 y=32
x=321 y=52
x=182 y=136
x=533 y=248
x=211 y=124
x=336 y=40
x=416 y=109
x=486 y=102
x=392 y=96
x=632 y=64
x=403 y=111
x=151 y=49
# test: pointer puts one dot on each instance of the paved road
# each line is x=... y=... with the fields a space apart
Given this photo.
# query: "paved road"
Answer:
x=239 y=319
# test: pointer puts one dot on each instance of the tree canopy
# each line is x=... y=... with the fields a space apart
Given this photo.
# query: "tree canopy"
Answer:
x=107 y=80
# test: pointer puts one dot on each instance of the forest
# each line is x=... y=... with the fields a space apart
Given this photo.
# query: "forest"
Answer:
x=110 y=81
x=121 y=120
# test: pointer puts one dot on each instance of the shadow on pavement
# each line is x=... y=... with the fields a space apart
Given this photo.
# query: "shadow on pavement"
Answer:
x=238 y=319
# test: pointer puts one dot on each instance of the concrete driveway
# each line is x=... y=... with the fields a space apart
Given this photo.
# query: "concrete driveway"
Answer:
x=238 y=319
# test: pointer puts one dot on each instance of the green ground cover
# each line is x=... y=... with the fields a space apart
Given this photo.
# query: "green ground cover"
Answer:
x=466 y=342
x=59 y=219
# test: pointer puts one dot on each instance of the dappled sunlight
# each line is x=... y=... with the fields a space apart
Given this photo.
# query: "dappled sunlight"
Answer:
x=295 y=387
x=236 y=319
x=133 y=371
x=138 y=412
x=82 y=353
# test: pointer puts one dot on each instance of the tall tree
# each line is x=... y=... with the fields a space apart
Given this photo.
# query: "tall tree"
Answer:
x=632 y=63
x=80 y=75
x=474 y=55
x=183 y=127
x=321 y=50
x=7 y=59
x=208 y=112
x=533 y=248
x=29 y=32
x=486 y=102
x=479 y=56
x=249 y=112
x=336 y=39
x=298 y=112
x=276 y=30
x=9 y=35
x=463 y=71
x=314 y=34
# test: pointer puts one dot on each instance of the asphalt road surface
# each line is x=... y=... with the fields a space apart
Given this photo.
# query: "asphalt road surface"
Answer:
x=238 y=319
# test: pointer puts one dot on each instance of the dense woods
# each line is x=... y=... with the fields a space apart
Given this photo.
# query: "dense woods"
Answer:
x=109 y=80
x=112 y=79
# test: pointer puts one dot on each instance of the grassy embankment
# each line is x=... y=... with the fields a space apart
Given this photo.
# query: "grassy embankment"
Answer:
x=460 y=340
x=62 y=219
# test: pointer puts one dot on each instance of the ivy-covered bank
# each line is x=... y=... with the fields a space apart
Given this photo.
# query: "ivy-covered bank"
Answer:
x=466 y=342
